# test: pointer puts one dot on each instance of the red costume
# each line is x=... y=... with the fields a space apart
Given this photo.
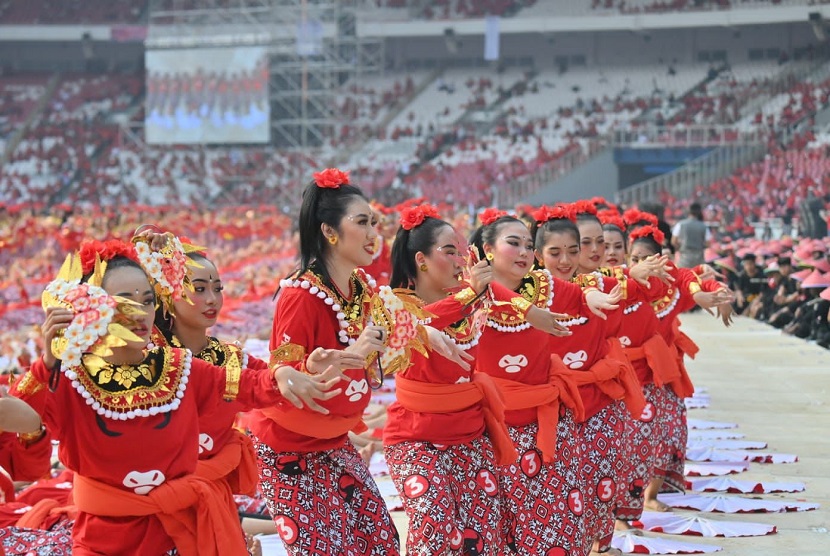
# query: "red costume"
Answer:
x=130 y=433
x=25 y=460
x=655 y=366
x=543 y=498
x=606 y=381
x=679 y=298
x=225 y=453
x=439 y=455
x=306 y=461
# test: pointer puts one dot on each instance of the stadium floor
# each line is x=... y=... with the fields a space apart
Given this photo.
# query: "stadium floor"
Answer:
x=777 y=388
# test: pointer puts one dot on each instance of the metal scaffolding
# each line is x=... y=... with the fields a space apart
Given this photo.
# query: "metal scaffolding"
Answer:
x=314 y=50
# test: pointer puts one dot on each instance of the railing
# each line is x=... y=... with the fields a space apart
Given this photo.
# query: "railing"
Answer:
x=686 y=136
x=706 y=169
x=412 y=9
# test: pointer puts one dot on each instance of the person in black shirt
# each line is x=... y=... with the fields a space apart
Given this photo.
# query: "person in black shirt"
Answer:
x=749 y=286
x=787 y=297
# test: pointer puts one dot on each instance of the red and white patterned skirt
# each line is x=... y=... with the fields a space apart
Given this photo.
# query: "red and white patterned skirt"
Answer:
x=543 y=504
x=671 y=457
x=603 y=466
x=325 y=503
x=643 y=438
x=451 y=495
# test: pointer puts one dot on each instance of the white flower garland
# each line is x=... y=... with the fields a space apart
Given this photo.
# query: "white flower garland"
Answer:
x=551 y=282
x=503 y=328
x=600 y=280
x=465 y=346
x=173 y=405
x=94 y=310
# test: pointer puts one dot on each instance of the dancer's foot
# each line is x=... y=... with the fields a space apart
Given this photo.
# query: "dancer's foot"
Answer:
x=623 y=525
x=610 y=551
x=656 y=506
x=254 y=546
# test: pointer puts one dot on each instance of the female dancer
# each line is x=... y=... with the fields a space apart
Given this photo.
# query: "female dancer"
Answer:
x=225 y=453
x=438 y=433
x=127 y=419
x=686 y=292
x=605 y=379
x=543 y=488
x=613 y=231
x=318 y=489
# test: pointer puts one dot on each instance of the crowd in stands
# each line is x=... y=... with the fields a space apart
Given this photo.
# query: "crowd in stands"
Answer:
x=18 y=97
x=64 y=139
x=134 y=11
x=773 y=188
x=253 y=245
x=466 y=9
x=537 y=120
x=664 y=6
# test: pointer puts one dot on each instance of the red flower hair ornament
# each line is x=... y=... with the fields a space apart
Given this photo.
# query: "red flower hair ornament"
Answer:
x=584 y=207
x=648 y=231
x=412 y=217
x=611 y=217
x=105 y=250
x=331 y=178
x=490 y=215
x=635 y=216
x=559 y=212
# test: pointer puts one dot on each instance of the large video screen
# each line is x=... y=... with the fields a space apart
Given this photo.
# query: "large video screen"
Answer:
x=207 y=95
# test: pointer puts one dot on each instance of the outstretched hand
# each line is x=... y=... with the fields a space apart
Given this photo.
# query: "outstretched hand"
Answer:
x=321 y=359
x=304 y=390
x=546 y=321
x=654 y=266
x=598 y=302
x=444 y=347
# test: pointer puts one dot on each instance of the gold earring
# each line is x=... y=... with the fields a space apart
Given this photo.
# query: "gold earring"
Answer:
x=423 y=267
x=489 y=256
x=333 y=240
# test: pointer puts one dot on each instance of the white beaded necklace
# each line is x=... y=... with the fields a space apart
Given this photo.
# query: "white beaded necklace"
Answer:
x=342 y=334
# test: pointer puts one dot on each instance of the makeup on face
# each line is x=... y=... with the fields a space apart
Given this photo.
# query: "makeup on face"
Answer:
x=560 y=255
x=132 y=283
x=358 y=233
x=614 y=249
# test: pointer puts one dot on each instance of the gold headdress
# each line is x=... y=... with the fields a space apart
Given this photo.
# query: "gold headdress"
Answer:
x=168 y=267
x=92 y=330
